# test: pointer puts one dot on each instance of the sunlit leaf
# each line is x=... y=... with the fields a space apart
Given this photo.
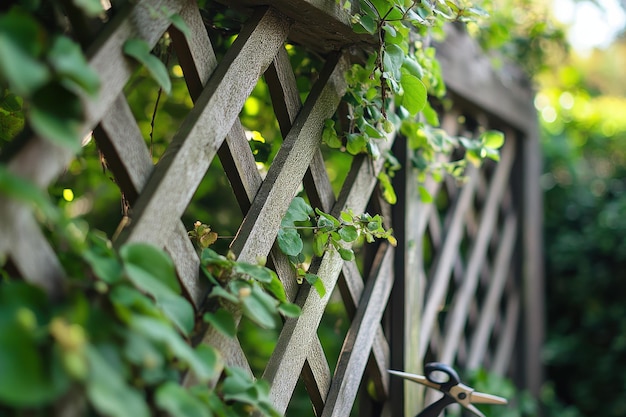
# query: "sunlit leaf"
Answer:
x=180 y=24
x=289 y=241
x=223 y=322
x=140 y=50
x=260 y=308
x=415 y=95
x=109 y=393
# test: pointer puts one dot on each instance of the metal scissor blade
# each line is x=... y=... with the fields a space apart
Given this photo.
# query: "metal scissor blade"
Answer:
x=415 y=378
x=473 y=409
x=482 y=398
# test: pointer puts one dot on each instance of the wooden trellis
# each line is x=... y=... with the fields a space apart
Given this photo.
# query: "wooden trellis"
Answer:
x=464 y=284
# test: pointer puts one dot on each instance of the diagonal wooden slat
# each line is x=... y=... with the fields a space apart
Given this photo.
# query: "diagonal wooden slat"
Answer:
x=488 y=315
x=360 y=338
x=28 y=249
x=127 y=156
x=286 y=100
x=188 y=157
x=444 y=262
x=41 y=161
x=298 y=332
x=457 y=316
x=289 y=161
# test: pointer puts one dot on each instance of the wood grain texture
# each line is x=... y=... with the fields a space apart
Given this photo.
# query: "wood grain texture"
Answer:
x=194 y=146
x=505 y=94
x=127 y=156
x=284 y=177
x=360 y=337
x=334 y=34
x=26 y=246
x=297 y=333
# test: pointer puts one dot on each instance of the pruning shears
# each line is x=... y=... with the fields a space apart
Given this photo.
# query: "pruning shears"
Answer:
x=445 y=379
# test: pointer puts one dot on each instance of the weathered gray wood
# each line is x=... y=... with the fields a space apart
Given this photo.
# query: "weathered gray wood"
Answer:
x=198 y=63
x=127 y=156
x=41 y=161
x=506 y=342
x=444 y=263
x=351 y=287
x=25 y=244
x=501 y=269
x=281 y=183
x=334 y=34
x=298 y=332
x=506 y=95
x=532 y=252
x=458 y=315
x=188 y=157
x=360 y=337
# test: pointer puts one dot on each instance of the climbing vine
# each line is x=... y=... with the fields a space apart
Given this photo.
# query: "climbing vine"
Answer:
x=119 y=340
x=390 y=91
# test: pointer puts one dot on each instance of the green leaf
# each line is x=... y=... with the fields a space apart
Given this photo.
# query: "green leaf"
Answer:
x=346 y=254
x=260 y=273
x=14 y=186
x=218 y=291
x=389 y=194
x=317 y=283
x=320 y=239
x=415 y=95
x=393 y=59
x=366 y=24
x=146 y=263
x=180 y=24
x=289 y=242
x=140 y=50
x=276 y=288
x=202 y=361
x=106 y=268
x=329 y=134
x=177 y=401
x=28 y=379
x=223 y=322
x=424 y=194
x=68 y=61
x=151 y=270
x=298 y=211
x=348 y=233
x=356 y=143
x=20 y=48
x=260 y=307
x=56 y=115
x=89 y=7
x=109 y=394
x=289 y=310
x=492 y=139
x=412 y=67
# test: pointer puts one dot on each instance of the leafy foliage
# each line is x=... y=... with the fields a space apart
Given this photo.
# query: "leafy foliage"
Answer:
x=391 y=89
x=329 y=233
x=585 y=251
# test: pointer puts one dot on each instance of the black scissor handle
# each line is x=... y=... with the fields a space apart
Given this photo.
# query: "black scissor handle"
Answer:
x=442 y=374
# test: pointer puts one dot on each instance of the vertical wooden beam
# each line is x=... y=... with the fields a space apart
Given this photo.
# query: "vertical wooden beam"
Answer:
x=533 y=289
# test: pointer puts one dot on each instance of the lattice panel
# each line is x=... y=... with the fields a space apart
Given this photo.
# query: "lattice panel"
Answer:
x=472 y=233
x=159 y=194
x=462 y=279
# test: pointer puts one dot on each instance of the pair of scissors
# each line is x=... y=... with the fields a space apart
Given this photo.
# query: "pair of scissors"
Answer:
x=445 y=379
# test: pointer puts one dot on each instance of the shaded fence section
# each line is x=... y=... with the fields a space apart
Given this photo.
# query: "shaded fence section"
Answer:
x=462 y=287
